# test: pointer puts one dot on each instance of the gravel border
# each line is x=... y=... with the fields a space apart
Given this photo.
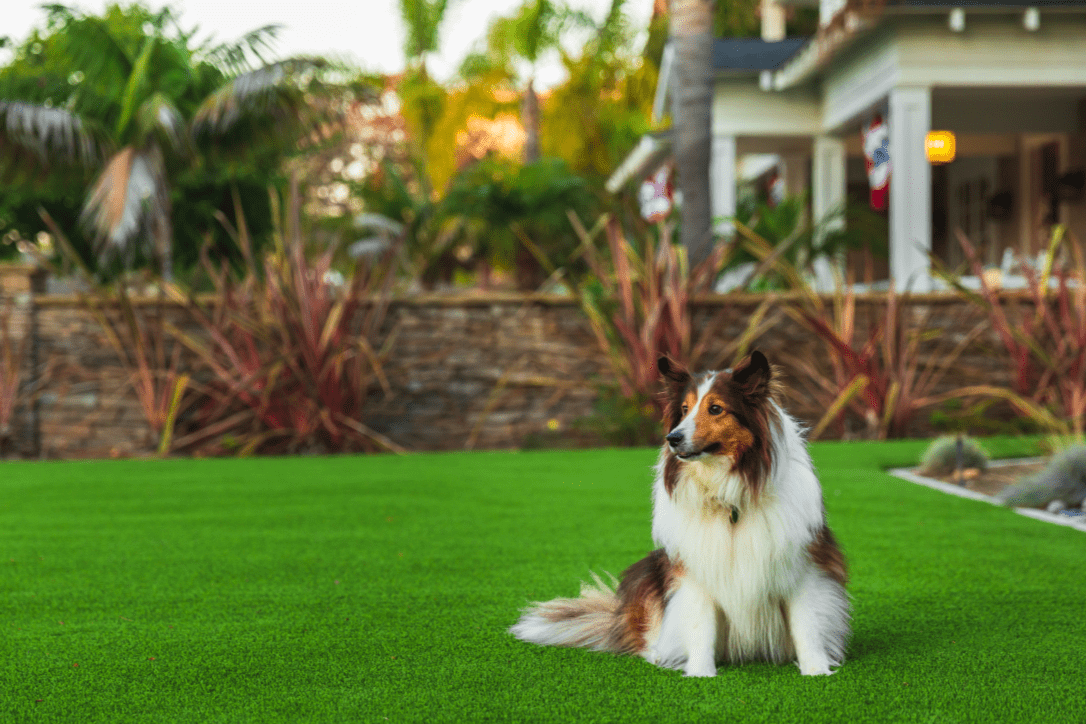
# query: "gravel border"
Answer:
x=1077 y=522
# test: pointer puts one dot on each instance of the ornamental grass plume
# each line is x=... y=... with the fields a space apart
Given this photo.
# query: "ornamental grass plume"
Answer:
x=1042 y=329
x=638 y=298
x=884 y=377
x=287 y=359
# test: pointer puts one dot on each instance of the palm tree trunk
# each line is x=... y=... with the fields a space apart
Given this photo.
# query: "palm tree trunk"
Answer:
x=162 y=216
x=164 y=239
x=529 y=117
x=691 y=31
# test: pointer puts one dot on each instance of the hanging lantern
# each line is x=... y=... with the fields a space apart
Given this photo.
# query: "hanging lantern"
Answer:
x=940 y=146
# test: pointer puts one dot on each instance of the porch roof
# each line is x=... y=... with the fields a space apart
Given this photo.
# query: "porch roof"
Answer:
x=753 y=54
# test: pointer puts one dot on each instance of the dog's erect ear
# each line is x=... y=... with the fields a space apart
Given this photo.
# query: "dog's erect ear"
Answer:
x=676 y=378
x=672 y=371
x=753 y=375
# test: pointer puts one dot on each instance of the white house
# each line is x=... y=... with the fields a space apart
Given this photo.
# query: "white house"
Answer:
x=1007 y=78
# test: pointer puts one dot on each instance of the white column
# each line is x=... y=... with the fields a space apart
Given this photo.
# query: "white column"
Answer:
x=722 y=180
x=910 y=189
x=828 y=197
x=773 y=20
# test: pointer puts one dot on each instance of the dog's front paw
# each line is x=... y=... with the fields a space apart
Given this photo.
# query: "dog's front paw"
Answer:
x=816 y=670
x=701 y=670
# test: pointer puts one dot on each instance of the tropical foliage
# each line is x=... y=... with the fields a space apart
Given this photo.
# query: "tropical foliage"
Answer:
x=423 y=98
x=517 y=216
x=161 y=127
x=799 y=242
x=484 y=190
x=597 y=116
x=522 y=38
x=399 y=210
x=590 y=121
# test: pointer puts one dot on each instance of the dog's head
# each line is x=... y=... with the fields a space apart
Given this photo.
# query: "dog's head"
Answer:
x=721 y=414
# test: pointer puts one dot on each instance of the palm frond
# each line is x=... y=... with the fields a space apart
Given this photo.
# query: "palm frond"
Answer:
x=158 y=117
x=136 y=80
x=95 y=48
x=57 y=14
x=422 y=20
x=379 y=223
x=233 y=57
x=274 y=90
x=51 y=134
x=128 y=204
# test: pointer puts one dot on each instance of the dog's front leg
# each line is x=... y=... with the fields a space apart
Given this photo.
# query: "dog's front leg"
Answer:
x=818 y=619
x=692 y=614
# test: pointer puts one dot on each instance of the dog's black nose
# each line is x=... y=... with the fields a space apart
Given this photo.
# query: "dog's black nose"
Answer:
x=675 y=437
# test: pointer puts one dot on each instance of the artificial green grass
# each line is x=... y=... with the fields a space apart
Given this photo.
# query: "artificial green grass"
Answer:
x=380 y=589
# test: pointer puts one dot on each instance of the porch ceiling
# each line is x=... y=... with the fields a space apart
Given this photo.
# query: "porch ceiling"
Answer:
x=1008 y=110
x=780 y=145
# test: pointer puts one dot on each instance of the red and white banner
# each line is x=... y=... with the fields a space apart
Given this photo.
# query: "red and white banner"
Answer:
x=876 y=137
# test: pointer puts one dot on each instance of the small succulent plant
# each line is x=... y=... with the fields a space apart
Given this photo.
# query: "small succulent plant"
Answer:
x=941 y=457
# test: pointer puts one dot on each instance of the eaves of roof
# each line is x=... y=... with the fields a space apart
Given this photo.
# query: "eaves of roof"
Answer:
x=752 y=54
x=858 y=17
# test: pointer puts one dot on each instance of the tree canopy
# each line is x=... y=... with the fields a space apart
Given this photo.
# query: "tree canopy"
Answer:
x=164 y=129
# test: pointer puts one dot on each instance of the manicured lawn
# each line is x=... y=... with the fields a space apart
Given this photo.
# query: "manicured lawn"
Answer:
x=374 y=589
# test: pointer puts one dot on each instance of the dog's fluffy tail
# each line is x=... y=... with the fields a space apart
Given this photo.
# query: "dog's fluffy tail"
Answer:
x=591 y=621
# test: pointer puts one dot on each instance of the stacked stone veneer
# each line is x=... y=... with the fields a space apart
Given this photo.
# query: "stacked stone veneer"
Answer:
x=478 y=372
x=19 y=285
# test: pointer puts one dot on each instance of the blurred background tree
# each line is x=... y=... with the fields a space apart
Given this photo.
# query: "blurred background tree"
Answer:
x=495 y=165
x=516 y=216
x=166 y=131
x=520 y=40
x=143 y=142
x=422 y=97
x=594 y=119
x=737 y=19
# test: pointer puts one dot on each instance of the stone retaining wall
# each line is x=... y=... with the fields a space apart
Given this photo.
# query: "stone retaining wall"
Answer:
x=466 y=372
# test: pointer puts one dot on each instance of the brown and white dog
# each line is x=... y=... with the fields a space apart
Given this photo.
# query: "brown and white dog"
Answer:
x=747 y=568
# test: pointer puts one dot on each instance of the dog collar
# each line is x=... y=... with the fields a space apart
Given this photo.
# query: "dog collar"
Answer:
x=719 y=506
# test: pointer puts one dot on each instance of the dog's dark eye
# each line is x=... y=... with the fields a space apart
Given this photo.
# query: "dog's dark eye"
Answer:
x=685 y=408
x=715 y=409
